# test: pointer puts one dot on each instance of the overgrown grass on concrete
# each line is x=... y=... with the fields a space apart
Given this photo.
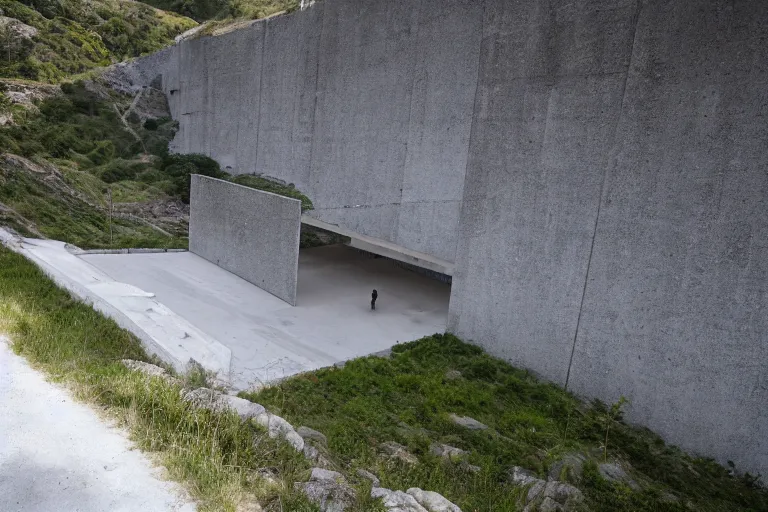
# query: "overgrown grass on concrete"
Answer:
x=213 y=454
x=408 y=398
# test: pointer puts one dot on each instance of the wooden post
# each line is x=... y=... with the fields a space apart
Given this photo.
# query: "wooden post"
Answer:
x=109 y=191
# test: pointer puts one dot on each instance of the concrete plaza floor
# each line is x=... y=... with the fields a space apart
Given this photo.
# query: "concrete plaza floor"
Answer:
x=269 y=339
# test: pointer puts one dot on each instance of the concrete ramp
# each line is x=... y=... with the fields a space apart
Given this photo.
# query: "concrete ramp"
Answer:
x=161 y=331
x=251 y=233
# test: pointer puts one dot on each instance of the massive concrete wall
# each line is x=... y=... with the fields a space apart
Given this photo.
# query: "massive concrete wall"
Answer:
x=614 y=231
x=352 y=101
x=251 y=233
x=595 y=168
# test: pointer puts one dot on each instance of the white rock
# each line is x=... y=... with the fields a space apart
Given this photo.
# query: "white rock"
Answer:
x=397 y=501
x=326 y=474
x=308 y=433
x=369 y=476
x=432 y=501
x=148 y=369
x=467 y=422
x=219 y=402
x=277 y=427
x=244 y=408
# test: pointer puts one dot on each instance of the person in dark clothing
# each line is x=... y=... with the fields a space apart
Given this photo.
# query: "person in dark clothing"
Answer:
x=374 y=296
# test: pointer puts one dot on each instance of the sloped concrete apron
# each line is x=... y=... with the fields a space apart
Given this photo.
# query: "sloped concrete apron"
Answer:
x=161 y=331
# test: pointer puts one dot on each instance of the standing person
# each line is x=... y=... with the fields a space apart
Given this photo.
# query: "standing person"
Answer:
x=374 y=296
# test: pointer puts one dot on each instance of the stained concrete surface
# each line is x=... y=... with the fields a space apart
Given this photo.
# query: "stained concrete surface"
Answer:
x=251 y=233
x=269 y=339
x=57 y=454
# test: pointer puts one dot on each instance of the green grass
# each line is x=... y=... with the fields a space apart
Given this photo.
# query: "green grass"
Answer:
x=213 y=454
x=202 y=10
x=407 y=399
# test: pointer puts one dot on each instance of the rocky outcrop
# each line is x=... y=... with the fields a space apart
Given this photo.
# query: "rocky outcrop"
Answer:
x=432 y=501
x=328 y=489
x=397 y=451
x=219 y=402
x=545 y=495
x=277 y=427
x=150 y=370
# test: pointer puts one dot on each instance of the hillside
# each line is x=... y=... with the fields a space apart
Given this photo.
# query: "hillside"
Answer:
x=203 y=10
x=75 y=153
x=48 y=40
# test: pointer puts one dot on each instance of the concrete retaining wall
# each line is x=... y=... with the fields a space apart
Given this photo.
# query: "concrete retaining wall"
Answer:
x=596 y=169
x=614 y=233
x=253 y=234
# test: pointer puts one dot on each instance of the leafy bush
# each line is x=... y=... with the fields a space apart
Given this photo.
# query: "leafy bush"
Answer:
x=79 y=35
x=180 y=167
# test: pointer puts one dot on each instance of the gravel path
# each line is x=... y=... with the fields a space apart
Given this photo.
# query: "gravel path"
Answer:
x=57 y=454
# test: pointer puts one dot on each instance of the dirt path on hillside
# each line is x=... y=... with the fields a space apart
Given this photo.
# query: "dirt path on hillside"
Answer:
x=57 y=454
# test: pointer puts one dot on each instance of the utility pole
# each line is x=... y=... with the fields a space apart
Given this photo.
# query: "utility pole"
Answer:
x=109 y=191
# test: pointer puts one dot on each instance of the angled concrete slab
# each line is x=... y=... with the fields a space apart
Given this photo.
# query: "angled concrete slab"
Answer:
x=251 y=233
x=161 y=331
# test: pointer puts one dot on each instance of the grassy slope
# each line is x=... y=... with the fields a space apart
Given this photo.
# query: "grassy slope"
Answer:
x=75 y=36
x=407 y=399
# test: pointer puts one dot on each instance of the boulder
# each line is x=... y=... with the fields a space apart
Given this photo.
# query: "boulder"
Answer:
x=277 y=427
x=314 y=435
x=452 y=375
x=219 y=402
x=447 y=452
x=397 y=501
x=369 y=476
x=569 y=468
x=467 y=422
x=397 y=451
x=614 y=472
x=432 y=501
x=328 y=489
x=551 y=492
x=150 y=370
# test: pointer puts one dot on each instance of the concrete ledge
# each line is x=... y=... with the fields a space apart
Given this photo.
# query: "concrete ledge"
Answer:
x=161 y=332
x=384 y=248
x=77 y=251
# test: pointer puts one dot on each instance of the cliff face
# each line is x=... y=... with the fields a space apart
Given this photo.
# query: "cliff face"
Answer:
x=595 y=169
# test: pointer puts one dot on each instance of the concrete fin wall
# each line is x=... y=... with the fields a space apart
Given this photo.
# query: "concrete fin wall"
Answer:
x=352 y=101
x=253 y=234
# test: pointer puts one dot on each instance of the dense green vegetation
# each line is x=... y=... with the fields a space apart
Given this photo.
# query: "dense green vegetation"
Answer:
x=78 y=151
x=407 y=398
x=202 y=10
x=74 y=36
